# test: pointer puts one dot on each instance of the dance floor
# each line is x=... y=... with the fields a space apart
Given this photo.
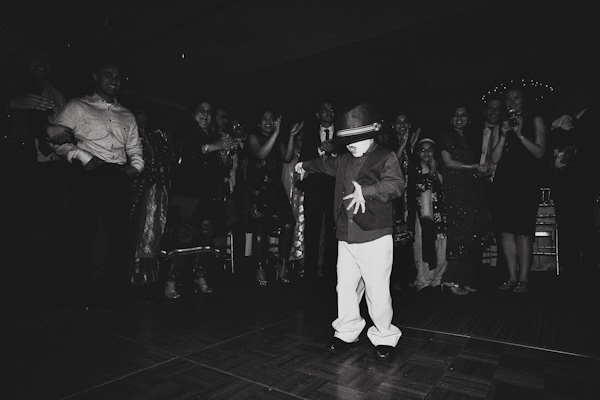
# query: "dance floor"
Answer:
x=243 y=342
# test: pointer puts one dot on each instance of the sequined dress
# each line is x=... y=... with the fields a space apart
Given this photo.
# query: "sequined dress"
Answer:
x=150 y=199
x=467 y=213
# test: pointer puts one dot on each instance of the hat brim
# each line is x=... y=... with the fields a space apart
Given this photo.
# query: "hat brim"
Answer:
x=346 y=140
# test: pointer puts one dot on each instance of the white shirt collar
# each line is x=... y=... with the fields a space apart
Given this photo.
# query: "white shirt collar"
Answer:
x=322 y=132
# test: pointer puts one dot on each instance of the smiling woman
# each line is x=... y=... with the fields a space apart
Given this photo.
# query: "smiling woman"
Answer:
x=467 y=213
x=519 y=153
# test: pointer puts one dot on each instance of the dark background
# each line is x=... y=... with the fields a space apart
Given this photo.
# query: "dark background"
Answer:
x=419 y=56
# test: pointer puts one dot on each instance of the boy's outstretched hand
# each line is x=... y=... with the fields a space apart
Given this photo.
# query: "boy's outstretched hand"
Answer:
x=358 y=201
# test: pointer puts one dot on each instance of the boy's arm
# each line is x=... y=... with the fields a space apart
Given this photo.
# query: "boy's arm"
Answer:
x=324 y=165
x=391 y=184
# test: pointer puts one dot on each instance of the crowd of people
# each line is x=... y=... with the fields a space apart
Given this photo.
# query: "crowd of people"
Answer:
x=102 y=183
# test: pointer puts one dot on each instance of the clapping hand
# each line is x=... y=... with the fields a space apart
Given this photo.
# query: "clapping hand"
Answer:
x=327 y=146
x=483 y=169
x=404 y=138
x=225 y=143
x=296 y=128
x=415 y=138
x=277 y=125
x=358 y=201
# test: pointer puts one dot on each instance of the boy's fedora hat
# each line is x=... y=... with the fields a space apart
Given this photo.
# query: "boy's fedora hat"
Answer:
x=357 y=123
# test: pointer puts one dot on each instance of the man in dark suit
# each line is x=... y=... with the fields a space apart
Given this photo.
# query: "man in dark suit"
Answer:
x=318 y=197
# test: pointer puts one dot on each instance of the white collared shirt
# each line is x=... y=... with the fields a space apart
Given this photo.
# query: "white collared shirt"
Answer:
x=323 y=135
x=108 y=131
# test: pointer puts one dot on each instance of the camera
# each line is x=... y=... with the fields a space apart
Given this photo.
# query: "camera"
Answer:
x=512 y=118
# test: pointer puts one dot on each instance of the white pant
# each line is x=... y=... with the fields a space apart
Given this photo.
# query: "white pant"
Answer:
x=365 y=268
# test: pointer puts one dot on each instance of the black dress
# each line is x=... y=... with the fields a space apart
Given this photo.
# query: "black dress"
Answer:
x=267 y=203
x=196 y=213
x=517 y=184
x=467 y=212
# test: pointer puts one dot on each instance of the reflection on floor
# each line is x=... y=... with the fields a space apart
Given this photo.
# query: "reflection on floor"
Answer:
x=243 y=342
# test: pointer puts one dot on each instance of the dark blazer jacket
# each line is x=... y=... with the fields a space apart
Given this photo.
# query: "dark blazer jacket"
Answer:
x=314 y=184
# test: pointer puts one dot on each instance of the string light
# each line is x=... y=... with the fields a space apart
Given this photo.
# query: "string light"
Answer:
x=540 y=89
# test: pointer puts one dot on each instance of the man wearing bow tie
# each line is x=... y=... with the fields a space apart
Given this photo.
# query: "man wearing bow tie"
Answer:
x=318 y=198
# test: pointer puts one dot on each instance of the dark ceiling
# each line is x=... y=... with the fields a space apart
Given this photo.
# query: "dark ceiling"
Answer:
x=292 y=53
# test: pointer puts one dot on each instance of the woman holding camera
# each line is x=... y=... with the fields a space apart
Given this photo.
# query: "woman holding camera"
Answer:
x=519 y=154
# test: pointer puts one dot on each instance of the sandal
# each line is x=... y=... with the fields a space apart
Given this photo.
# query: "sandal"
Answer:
x=521 y=287
x=508 y=285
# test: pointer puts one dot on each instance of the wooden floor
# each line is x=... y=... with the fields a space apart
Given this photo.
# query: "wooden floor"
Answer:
x=242 y=342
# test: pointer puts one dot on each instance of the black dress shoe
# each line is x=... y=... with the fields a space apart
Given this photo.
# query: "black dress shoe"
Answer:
x=384 y=353
x=338 y=346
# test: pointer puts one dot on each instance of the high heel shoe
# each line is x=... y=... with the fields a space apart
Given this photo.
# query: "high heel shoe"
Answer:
x=200 y=285
x=454 y=288
x=261 y=277
x=171 y=290
x=282 y=271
